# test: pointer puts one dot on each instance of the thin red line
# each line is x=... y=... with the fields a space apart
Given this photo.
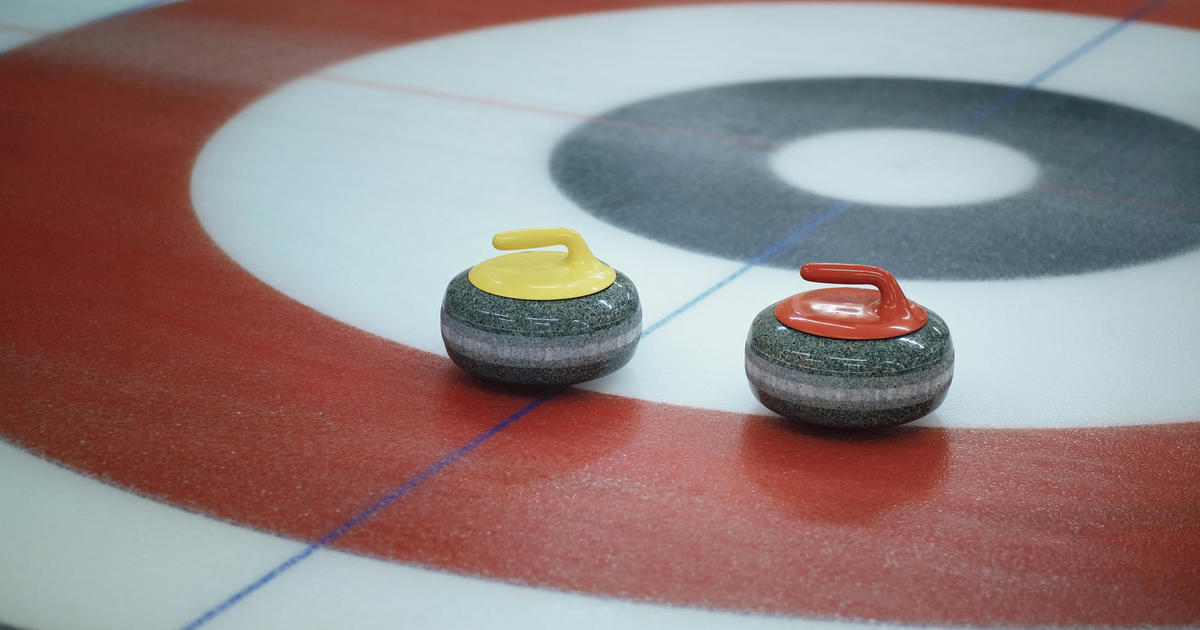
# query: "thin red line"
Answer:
x=1133 y=201
x=546 y=111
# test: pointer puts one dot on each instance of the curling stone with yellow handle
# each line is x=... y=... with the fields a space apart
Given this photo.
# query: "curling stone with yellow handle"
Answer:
x=849 y=357
x=541 y=317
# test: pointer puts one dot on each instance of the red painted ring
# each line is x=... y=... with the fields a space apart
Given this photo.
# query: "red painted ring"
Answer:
x=135 y=351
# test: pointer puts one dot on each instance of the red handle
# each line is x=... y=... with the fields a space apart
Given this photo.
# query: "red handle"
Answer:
x=892 y=302
x=849 y=313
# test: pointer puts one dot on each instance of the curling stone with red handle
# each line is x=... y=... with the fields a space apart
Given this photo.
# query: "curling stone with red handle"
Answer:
x=849 y=357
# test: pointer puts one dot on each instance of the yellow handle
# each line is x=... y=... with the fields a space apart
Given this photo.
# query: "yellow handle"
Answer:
x=577 y=250
x=552 y=275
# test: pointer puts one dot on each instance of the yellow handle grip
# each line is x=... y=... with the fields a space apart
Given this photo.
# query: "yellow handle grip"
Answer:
x=552 y=275
x=577 y=249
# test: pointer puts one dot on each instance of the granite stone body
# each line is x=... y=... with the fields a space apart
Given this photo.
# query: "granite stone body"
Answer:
x=540 y=342
x=848 y=383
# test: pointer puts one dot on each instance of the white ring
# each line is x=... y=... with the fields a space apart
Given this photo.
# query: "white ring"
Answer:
x=361 y=191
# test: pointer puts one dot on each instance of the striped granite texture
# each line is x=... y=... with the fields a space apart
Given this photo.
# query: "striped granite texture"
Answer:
x=848 y=383
x=540 y=342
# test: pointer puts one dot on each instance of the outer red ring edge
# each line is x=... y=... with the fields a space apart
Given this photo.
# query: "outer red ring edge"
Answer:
x=34 y=372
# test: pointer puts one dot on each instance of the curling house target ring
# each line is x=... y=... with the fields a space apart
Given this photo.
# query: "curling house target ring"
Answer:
x=140 y=357
x=653 y=184
x=440 y=160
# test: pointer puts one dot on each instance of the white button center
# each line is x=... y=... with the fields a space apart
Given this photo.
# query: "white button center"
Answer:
x=904 y=167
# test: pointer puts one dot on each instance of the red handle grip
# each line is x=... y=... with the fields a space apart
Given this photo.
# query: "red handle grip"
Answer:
x=892 y=302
